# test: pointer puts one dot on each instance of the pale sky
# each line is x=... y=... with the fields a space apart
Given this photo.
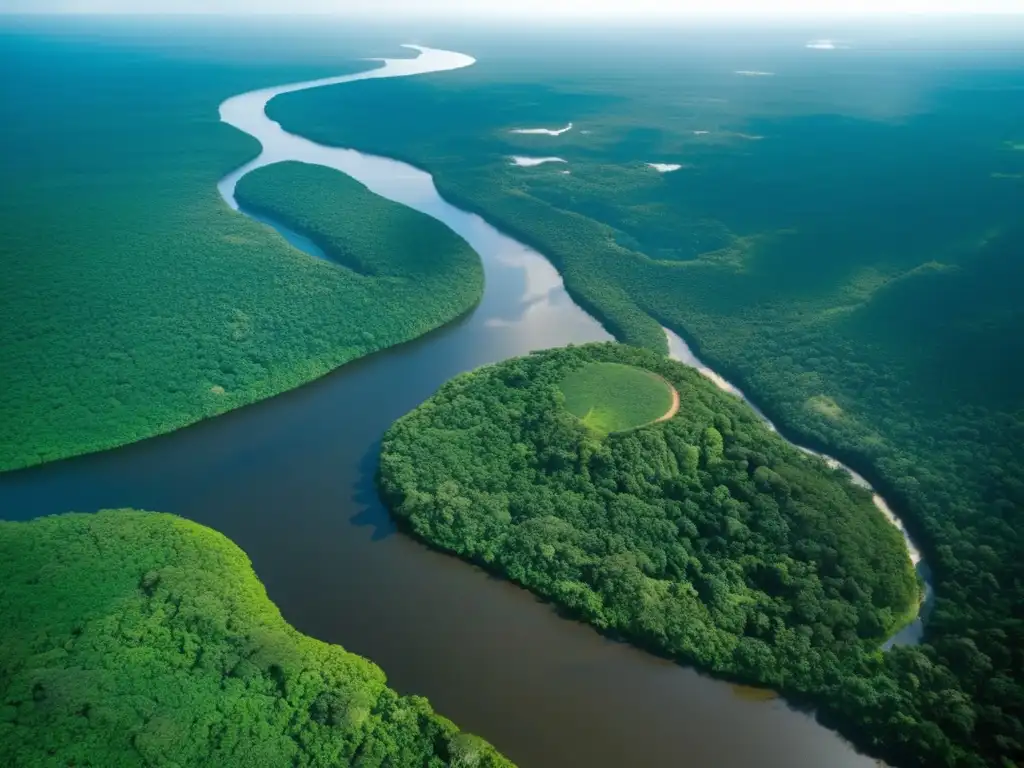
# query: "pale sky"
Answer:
x=523 y=8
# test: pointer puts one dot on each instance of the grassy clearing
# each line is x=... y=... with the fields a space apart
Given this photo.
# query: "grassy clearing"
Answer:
x=611 y=397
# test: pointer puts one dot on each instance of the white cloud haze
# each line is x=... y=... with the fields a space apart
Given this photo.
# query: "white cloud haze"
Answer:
x=523 y=8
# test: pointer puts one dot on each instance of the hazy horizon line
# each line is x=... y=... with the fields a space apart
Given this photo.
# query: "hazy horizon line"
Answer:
x=607 y=17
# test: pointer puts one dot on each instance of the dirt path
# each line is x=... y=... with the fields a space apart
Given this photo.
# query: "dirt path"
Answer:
x=675 y=405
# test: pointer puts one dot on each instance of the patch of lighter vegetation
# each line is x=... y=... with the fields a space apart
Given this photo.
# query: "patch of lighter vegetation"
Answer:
x=529 y=162
x=664 y=167
x=825 y=406
x=543 y=131
x=238 y=239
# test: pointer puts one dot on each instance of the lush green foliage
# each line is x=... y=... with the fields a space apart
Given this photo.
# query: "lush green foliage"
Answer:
x=375 y=239
x=610 y=397
x=844 y=244
x=134 y=638
x=134 y=301
x=706 y=537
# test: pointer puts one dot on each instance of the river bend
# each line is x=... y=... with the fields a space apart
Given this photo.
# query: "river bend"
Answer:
x=291 y=481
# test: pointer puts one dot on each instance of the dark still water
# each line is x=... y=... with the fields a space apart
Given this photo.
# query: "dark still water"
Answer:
x=290 y=480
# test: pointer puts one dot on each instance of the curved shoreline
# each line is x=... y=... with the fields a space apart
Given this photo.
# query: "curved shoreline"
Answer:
x=674 y=408
x=910 y=633
x=247 y=113
x=228 y=608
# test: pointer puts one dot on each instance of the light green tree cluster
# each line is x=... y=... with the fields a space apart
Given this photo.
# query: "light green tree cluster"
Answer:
x=136 y=638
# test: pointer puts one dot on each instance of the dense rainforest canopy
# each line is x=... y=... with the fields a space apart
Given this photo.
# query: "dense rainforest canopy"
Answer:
x=134 y=301
x=706 y=537
x=134 y=638
x=844 y=244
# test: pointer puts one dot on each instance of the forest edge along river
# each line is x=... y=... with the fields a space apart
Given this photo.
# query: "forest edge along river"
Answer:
x=415 y=188
x=914 y=631
x=291 y=481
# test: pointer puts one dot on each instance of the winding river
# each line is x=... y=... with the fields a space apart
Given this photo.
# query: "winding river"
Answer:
x=290 y=480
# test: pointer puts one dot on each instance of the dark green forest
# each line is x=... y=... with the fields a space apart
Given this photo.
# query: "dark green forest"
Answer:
x=134 y=301
x=844 y=243
x=136 y=638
